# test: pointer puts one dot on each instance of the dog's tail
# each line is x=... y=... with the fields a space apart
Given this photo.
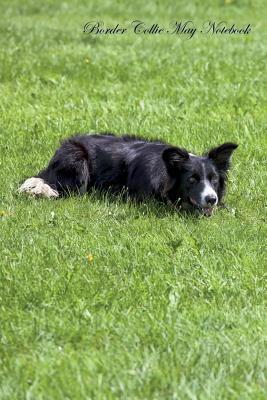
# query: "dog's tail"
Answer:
x=68 y=171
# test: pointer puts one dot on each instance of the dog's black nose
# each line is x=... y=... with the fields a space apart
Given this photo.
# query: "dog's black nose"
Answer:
x=211 y=200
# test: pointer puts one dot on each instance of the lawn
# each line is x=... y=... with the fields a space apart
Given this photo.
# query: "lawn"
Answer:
x=101 y=298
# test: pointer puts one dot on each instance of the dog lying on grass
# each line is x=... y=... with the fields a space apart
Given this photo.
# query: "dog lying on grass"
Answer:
x=143 y=168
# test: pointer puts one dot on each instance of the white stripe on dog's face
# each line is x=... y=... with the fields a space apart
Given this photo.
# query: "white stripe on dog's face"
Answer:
x=208 y=191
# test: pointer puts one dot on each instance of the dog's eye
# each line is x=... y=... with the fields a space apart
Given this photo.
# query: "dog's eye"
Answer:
x=213 y=178
x=193 y=179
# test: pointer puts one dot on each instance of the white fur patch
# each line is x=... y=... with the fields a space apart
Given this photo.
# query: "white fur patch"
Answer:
x=37 y=187
x=83 y=188
x=85 y=174
x=208 y=191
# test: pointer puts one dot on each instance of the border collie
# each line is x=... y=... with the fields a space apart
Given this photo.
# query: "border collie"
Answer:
x=143 y=168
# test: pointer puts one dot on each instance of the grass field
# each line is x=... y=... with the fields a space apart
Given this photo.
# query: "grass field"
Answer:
x=104 y=299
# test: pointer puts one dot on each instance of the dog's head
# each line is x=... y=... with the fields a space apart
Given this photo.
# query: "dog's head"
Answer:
x=198 y=182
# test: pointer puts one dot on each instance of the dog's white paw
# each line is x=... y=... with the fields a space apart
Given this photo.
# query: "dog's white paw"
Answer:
x=37 y=187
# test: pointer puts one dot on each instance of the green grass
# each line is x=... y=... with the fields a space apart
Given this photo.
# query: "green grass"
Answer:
x=171 y=306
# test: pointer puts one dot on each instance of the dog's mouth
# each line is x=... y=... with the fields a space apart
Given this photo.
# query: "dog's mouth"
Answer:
x=207 y=211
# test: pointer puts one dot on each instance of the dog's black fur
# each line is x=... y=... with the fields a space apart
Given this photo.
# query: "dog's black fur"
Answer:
x=143 y=168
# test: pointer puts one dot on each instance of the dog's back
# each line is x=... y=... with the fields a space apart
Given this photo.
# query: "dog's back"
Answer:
x=104 y=161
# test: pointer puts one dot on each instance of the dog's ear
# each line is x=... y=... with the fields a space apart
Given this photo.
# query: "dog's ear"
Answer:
x=221 y=156
x=174 y=157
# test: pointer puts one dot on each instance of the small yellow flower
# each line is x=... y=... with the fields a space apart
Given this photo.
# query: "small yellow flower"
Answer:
x=90 y=257
x=3 y=213
x=87 y=61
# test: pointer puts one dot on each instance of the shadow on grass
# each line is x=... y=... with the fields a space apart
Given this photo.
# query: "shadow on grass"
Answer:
x=141 y=208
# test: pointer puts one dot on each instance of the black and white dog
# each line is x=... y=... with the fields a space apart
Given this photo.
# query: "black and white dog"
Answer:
x=141 y=167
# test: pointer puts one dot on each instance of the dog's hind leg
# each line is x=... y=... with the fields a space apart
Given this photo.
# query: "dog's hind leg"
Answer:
x=68 y=171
